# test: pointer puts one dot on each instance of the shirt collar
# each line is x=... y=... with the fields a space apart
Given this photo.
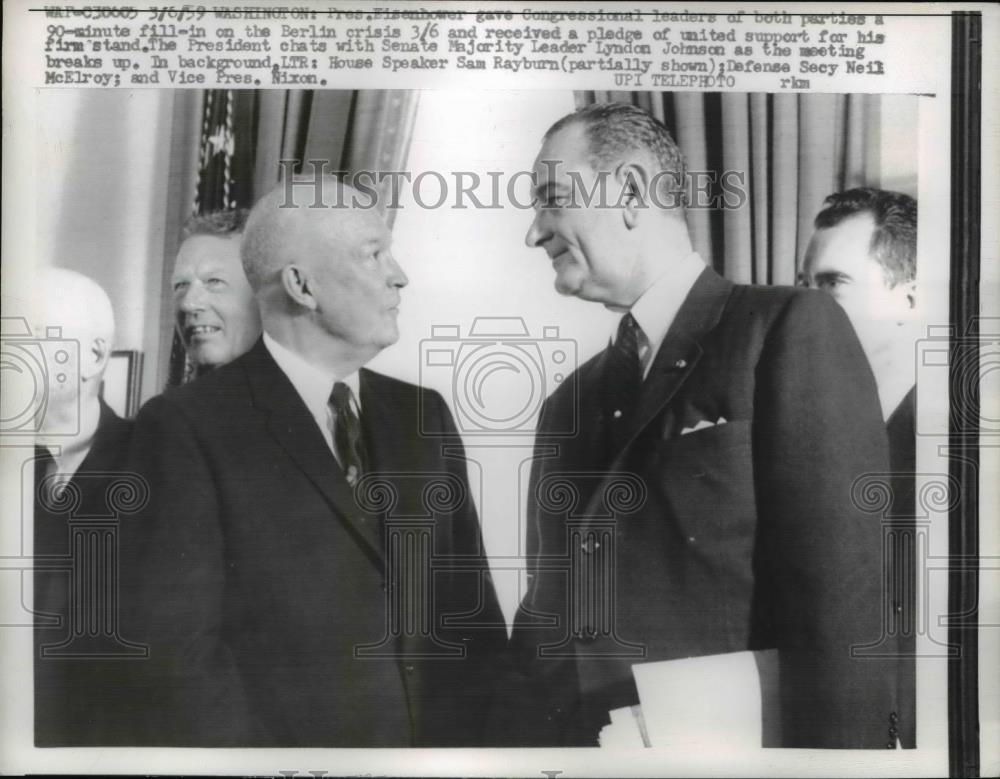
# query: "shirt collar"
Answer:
x=657 y=307
x=313 y=384
x=69 y=452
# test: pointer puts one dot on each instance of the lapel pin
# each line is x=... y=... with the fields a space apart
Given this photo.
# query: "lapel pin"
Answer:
x=682 y=363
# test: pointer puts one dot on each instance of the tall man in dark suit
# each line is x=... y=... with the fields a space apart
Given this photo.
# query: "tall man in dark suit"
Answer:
x=704 y=503
x=864 y=254
x=81 y=452
x=312 y=572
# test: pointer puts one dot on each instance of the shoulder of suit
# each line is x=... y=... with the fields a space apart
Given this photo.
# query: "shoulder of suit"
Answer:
x=391 y=387
x=773 y=303
x=221 y=385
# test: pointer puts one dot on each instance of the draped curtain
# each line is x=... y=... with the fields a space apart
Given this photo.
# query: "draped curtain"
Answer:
x=792 y=150
x=244 y=134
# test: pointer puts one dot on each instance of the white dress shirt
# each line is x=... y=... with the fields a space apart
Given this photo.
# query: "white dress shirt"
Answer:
x=657 y=307
x=314 y=386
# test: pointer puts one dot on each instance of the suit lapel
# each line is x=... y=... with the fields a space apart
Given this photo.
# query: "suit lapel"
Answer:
x=294 y=428
x=594 y=432
x=678 y=355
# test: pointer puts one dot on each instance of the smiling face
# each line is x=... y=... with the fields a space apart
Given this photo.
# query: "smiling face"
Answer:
x=584 y=243
x=217 y=315
x=354 y=279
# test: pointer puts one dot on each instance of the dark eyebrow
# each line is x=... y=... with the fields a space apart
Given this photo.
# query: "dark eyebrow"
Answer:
x=545 y=189
x=831 y=275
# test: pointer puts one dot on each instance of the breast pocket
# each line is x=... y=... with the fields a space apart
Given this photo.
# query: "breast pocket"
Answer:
x=707 y=478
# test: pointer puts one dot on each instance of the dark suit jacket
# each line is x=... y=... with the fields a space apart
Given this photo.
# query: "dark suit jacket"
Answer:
x=739 y=536
x=265 y=586
x=902 y=577
x=78 y=653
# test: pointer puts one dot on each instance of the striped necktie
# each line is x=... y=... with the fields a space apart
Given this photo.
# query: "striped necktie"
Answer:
x=347 y=435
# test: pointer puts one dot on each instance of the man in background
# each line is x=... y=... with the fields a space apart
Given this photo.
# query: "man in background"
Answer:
x=217 y=317
x=280 y=607
x=745 y=414
x=81 y=450
x=864 y=254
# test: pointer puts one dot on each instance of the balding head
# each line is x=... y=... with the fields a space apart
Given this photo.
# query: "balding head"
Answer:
x=324 y=276
x=73 y=302
x=285 y=215
x=74 y=326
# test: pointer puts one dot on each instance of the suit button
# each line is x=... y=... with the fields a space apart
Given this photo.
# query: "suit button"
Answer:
x=893 y=733
x=891 y=745
x=893 y=718
x=409 y=669
x=617 y=413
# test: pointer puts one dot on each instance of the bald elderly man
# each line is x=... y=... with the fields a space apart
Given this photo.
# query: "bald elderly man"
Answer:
x=286 y=586
x=81 y=451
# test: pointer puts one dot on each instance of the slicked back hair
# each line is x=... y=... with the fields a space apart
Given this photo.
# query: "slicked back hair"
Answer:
x=615 y=131
x=894 y=239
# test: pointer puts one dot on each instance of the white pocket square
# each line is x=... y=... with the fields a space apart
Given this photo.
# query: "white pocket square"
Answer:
x=702 y=425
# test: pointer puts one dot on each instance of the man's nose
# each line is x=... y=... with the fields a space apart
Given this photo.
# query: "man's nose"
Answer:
x=536 y=231
x=193 y=299
x=397 y=276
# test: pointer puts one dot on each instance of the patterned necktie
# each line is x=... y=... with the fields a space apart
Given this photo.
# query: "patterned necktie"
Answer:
x=347 y=433
x=627 y=347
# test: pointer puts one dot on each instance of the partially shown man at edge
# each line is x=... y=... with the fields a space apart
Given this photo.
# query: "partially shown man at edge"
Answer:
x=864 y=254
x=747 y=413
x=81 y=449
x=267 y=590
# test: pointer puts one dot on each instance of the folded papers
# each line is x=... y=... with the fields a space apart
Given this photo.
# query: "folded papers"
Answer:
x=692 y=703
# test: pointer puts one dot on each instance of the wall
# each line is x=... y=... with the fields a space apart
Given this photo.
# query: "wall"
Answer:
x=102 y=160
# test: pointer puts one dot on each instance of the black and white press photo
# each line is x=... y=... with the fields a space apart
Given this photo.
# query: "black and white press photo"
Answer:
x=587 y=418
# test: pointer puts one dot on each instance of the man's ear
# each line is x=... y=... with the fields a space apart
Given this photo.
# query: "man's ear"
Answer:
x=95 y=359
x=633 y=180
x=297 y=285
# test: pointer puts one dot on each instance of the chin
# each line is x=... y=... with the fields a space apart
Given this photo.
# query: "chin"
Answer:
x=568 y=287
x=205 y=362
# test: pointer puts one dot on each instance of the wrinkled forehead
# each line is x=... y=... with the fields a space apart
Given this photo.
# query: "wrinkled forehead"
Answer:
x=208 y=254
